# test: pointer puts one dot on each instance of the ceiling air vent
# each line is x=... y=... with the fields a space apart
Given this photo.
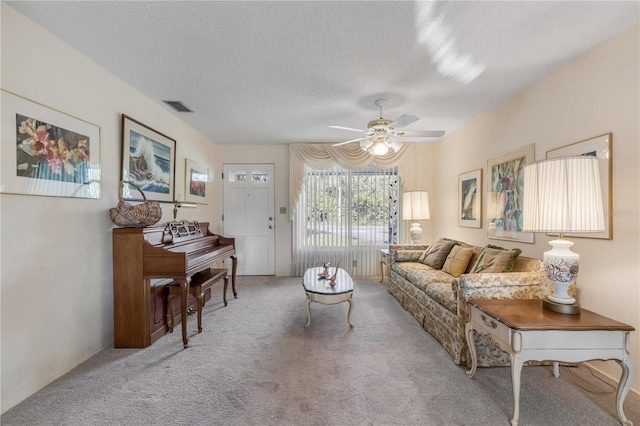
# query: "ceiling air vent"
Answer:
x=178 y=106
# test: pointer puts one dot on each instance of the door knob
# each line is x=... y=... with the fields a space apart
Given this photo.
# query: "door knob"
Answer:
x=270 y=226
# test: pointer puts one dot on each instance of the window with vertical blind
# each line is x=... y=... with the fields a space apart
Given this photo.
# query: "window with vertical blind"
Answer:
x=346 y=216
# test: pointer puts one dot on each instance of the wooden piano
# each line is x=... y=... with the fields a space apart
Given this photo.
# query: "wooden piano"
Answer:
x=145 y=260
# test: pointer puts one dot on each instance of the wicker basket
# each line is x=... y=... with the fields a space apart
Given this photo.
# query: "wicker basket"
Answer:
x=126 y=215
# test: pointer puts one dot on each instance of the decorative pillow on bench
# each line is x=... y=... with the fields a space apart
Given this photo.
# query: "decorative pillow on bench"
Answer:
x=495 y=259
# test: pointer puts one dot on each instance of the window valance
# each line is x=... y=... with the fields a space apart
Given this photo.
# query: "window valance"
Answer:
x=322 y=156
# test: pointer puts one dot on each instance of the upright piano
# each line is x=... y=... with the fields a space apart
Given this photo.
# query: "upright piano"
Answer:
x=145 y=260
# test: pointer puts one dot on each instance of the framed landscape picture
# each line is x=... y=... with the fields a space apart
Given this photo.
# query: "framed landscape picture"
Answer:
x=505 y=195
x=196 y=180
x=602 y=148
x=149 y=161
x=470 y=199
x=47 y=152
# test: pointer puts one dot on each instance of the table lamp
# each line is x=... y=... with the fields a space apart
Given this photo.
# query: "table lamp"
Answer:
x=562 y=195
x=415 y=206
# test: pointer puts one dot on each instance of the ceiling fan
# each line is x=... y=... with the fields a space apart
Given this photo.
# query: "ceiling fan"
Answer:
x=383 y=135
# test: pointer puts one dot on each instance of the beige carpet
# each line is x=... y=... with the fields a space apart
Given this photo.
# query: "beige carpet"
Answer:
x=255 y=364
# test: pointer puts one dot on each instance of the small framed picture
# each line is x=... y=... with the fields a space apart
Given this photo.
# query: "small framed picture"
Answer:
x=196 y=180
x=47 y=152
x=470 y=199
x=149 y=161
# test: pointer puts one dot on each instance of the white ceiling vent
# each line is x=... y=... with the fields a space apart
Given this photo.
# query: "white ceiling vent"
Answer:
x=178 y=106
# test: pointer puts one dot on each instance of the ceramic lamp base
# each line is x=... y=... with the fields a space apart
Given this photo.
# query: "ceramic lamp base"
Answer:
x=416 y=233
x=561 y=266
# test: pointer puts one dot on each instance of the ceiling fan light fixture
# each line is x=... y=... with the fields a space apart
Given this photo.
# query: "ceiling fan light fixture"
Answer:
x=379 y=148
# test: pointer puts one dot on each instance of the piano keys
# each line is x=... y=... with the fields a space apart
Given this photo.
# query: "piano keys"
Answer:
x=145 y=260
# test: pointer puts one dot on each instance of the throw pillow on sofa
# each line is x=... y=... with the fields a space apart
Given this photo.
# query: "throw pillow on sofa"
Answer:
x=457 y=261
x=495 y=259
x=437 y=253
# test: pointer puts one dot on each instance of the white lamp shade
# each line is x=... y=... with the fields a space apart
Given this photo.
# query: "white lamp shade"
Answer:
x=563 y=195
x=415 y=205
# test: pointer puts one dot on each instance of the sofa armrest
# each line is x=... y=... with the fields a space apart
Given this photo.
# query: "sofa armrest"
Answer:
x=405 y=252
x=503 y=285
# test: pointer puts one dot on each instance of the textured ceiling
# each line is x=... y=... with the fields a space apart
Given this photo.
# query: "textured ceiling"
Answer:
x=281 y=72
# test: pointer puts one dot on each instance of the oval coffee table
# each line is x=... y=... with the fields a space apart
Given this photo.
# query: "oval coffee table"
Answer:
x=319 y=290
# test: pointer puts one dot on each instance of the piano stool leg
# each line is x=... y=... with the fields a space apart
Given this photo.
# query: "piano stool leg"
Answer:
x=234 y=268
x=184 y=295
x=224 y=292
x=171 y=312
x=199 y=307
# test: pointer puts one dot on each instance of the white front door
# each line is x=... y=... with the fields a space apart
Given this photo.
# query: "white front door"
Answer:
x=249 y=216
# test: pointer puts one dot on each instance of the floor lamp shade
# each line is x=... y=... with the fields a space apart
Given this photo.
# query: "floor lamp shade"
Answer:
x=415 y=206
x=562 y=195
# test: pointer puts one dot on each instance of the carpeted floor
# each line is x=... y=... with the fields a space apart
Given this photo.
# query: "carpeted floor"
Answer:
x=255 y=364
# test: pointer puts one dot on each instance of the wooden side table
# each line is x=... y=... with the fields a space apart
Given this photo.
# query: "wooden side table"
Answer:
x=384 y=260
x=527 y=332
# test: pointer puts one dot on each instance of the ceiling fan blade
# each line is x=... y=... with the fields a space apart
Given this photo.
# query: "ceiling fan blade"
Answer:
x=404 y=121
x=423 y=133
x=349 y=128
x=346 y=142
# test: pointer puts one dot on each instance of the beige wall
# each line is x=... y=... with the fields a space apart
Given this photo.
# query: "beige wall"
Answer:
x=596 y=94
x=56 y=269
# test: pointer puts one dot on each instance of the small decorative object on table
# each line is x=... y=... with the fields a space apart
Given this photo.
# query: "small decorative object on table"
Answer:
x=144 y=214
x=324 y=274
x=332 y=281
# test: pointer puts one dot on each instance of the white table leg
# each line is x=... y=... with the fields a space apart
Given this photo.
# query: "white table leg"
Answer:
x=308 y=302
x=556 y=369
x=628 y=373
x=472 y=348
x=516 y=370
x=351 y=304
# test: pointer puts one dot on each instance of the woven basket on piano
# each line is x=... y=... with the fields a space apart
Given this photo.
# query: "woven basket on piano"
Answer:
x=126 y=215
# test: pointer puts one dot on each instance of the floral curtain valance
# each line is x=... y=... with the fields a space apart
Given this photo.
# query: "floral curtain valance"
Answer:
x=322 y=156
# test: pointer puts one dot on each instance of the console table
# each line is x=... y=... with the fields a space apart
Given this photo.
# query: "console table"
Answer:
x=528 y=332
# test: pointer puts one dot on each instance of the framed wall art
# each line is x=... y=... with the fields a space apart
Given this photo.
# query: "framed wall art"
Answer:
x=196 y=179
x=602 y=148
x=505 y=195
x=149 y=161
x=470 y=199
x=47 y=152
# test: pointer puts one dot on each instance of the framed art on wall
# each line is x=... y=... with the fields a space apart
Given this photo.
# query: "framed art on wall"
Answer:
x=470 y=199
x=602 y=148
x=505 y=195
x=149 y=161
x=47 y=152
x=196 y=178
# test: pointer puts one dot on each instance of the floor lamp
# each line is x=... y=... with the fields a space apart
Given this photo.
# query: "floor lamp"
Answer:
x=562 y=195
x=415 y=206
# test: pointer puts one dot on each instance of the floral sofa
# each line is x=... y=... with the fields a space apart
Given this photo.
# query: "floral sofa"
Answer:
x=433 y=283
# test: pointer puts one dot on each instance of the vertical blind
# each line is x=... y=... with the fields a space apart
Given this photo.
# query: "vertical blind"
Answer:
x=345 y=216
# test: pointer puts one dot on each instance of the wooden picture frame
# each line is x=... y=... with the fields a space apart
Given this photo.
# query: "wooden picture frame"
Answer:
x=505 y=195
x=149 y=161
x=601 y=147
x=47 y=152
x=470 y=199
x=196 y=181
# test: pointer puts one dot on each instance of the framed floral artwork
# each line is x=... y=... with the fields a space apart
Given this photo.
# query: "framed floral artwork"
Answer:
x=505 y=195
x=602 y=148
x=149 y=161
x=470 y=199
x=196 y=180
x=47 y=152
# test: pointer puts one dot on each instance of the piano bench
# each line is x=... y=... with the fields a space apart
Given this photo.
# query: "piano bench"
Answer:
x=200 y=283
